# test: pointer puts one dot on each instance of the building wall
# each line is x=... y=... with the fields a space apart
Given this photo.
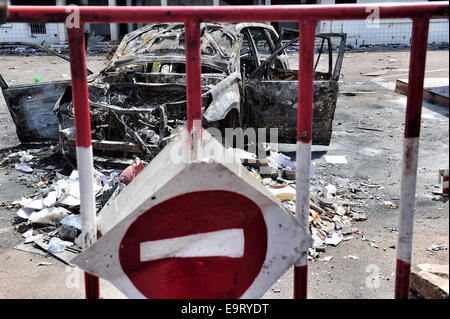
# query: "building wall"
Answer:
x=102 y=29
x=388 y=31
x=22 y=32
x=180 y=2
x=392 y=31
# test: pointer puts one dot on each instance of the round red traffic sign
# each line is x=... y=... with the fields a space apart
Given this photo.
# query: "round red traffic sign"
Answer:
x=206 y=269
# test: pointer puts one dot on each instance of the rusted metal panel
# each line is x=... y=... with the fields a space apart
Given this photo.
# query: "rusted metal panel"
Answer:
x=31 y=108
x=274 y=104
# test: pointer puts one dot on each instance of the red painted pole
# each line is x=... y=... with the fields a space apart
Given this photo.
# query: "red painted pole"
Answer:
x=91 y=286
x=3 y=11
x=80 y=97
x=304 y=136
x=410 y=155
x=193 y=88
x=193 y=73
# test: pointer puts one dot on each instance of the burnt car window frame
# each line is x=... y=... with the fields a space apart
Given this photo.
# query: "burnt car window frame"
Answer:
x=253 y=48
x=265 y=32
x=333 y=70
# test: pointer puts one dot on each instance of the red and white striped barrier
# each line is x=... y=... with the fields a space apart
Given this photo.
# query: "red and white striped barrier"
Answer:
x=410 y=156
x=304 y=136
x=85 y=163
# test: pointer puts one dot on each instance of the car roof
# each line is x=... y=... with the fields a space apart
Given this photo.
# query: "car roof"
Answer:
x=220 y=44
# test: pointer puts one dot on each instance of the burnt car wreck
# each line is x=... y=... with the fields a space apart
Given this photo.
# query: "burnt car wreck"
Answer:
x=138 y=102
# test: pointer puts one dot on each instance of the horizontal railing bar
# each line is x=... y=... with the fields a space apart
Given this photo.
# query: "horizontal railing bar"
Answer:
x=121 y=14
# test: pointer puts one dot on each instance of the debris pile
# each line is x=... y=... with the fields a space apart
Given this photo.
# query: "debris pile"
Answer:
x=50 y=218
x=334 y=210
x=97 y=44
x=14 y=50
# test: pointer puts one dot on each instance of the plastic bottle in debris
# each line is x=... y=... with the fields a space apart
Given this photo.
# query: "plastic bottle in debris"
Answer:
x=56 y=245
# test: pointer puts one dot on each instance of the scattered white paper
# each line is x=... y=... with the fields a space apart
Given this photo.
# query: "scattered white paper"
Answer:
x=31 y=239
x=70 y=201
x=335 y=239
x=50 y=200
x=74 y=174
x=335 y=159
x=327 y=258
x=24 y=212
x=30 y=203
x=28 y=233
x=74 y=188
x=329 y=191
x=22 y=167
x=318 y=242
x=62 y=187
x=49 y=216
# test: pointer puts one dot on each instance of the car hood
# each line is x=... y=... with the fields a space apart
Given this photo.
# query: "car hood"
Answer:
x=220 y=45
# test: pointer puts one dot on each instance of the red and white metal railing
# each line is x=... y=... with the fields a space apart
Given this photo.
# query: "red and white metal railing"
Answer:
x=307 y=16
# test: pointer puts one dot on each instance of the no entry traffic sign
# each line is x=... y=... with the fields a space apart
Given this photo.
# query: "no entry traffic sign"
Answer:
x=194 y=245
x=202 y=230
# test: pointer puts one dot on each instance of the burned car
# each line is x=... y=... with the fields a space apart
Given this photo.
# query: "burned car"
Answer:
x=249 y=80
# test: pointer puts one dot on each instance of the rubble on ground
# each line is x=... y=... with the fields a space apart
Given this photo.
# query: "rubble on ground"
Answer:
x=50 y=218
x=335 y=210
x=96 y=44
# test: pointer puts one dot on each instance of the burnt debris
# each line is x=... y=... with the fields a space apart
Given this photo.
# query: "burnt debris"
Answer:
x=138 y=102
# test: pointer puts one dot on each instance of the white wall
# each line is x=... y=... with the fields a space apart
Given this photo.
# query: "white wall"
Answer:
x=21 y=32
x=388 y=31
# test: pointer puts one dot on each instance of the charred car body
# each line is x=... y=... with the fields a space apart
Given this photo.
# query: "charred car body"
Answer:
x=139 y=100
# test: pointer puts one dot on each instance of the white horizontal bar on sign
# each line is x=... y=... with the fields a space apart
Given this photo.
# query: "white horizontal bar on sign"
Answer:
x=227 y=243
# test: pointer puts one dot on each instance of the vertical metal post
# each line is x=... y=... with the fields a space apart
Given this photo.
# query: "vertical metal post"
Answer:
x=83 y=148
x=304 y=136
x=3 y=11
x=410 y=155
x=194 y=84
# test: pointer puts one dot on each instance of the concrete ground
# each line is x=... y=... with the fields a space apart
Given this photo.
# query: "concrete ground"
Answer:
x=374 y=157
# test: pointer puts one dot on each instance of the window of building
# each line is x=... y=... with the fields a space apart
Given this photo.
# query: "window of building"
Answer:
x=344 y=1
x=38 y=28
